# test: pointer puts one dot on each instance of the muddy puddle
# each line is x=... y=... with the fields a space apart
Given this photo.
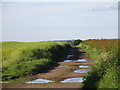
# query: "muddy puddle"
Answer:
x=39 y=81
x=72 y=80
x=63 y=65
x=68 y=60
x=80 y=57
x=82 y=70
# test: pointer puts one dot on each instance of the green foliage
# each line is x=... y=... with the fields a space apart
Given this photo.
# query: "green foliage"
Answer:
x=27 y=58
x=26 y=68
x=75 y=42
x=110 y=79
x=105 y=72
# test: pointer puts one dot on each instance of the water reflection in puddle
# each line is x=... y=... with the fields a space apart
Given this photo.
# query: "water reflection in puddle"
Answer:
x=40 y=81
x=69 y=56
x=3 y=81
x=84 y=66
x=68 y=60
x=80 y=60
x=72 y=80
x=82 y=70
x=63 y=65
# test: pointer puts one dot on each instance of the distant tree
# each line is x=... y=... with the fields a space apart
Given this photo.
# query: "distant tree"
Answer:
x=76 y=42
x=69 y=42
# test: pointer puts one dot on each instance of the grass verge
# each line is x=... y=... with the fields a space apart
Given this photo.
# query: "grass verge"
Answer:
x=106 y=69
x=22 y=59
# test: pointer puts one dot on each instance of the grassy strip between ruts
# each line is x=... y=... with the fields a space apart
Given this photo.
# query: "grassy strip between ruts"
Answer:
x=27 y=58
x=106 y=69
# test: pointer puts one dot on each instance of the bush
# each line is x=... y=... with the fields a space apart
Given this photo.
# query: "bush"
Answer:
x=75 y=42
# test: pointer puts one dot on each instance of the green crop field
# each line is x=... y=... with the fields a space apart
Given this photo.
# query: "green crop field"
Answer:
x=21 y=59
x=105 y=73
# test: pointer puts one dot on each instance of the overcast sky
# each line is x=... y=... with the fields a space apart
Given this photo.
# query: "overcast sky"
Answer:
x=35 y=21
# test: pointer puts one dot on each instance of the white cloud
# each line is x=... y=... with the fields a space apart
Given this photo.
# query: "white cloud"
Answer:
x=104 y=8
